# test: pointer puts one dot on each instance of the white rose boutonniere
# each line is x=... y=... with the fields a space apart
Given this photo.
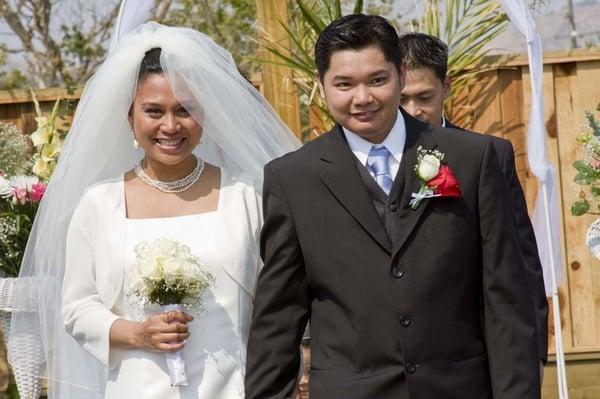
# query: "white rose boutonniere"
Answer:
x=435 y=178
x=429 y=167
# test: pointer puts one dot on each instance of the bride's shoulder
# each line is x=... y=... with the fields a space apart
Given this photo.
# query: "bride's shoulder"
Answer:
x=103 y=191
x=105 y=187
x=239 y=180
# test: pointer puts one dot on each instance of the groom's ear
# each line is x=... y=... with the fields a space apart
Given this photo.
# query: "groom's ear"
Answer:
x=320 y=81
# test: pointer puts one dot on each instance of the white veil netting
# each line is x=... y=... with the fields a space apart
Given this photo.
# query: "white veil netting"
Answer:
x=240 y=132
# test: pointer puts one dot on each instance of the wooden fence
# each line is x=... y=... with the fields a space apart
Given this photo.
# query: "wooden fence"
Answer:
x=497 y=103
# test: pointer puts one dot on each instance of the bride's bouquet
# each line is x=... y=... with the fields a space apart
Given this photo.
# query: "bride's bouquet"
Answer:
x=167 y=274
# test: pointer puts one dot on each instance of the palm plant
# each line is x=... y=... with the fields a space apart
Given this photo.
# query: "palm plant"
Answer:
x=467 y=26
x=309 y=19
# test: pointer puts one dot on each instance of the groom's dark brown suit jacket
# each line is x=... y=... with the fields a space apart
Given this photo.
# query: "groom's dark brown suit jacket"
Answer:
x=442 y=310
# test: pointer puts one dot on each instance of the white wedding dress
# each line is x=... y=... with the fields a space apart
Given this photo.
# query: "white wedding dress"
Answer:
x=225 y=240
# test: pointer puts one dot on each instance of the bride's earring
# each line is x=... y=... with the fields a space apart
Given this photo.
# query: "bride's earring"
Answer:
x=136 y=145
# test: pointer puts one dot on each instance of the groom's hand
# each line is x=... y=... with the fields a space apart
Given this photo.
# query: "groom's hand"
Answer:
x=166 y=332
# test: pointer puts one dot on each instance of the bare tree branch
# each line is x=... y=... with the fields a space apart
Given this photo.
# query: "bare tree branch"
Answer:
x=13 y=21
x=162 y=7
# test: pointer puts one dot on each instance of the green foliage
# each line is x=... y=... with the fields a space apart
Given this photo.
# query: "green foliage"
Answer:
x=307 y=20
x=10 y=78
x=231 y=24
x=592 y=123
x=586 y=173
x=53 y=47
x=580 y=207
x=12 y=392
x=466 y=26
x=588 y=170
x=79 y=49
x=15 y=224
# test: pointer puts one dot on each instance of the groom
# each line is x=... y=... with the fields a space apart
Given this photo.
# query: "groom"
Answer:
x=405 y=302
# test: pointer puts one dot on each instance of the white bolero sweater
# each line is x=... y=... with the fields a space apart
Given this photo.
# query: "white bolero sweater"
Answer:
x=95 y=255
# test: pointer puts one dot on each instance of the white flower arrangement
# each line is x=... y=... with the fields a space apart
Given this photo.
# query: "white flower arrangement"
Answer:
x=166 y=273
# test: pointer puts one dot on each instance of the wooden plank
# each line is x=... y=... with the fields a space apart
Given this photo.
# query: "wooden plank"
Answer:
x=575 y=86
x=24 y=96
x=459 y=110
x=278 y=81
x=582 y=377
x=511 y=107
x=589 y=81
x=550 y=57
x=484 y=94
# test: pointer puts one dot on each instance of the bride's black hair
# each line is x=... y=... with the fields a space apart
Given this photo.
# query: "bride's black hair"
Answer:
x=150 y=63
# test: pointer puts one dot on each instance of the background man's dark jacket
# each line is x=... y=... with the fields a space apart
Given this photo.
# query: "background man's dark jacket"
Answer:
x=506 y=155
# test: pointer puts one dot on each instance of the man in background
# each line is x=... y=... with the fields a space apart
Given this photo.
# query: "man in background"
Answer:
x=427 y=87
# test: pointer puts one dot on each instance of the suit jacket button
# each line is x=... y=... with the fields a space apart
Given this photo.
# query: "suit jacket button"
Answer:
x=405 y=321
x=393 y=207
x=411 y=368
x=397 y=272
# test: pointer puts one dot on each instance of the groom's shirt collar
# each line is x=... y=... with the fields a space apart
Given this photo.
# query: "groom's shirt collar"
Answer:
x=394 y=142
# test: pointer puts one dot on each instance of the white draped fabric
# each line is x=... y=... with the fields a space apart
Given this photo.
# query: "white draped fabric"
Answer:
x=546 y=212
x=131 y=14
x=548 y=241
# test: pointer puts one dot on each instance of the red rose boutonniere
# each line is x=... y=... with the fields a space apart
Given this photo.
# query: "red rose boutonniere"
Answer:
x=435 y=179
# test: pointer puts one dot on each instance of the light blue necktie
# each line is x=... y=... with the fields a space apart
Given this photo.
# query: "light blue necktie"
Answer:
x=378 y=162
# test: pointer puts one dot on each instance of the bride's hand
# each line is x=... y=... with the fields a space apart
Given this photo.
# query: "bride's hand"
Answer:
x=165 y=332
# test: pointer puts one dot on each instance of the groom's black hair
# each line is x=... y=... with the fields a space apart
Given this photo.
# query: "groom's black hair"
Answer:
x=150 y=63
x=356 y=32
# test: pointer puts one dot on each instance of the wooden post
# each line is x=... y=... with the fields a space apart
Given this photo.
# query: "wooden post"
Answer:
x=277 y=81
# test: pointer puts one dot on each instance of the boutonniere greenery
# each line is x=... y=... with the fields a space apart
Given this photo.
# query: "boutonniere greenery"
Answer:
x=436 y=179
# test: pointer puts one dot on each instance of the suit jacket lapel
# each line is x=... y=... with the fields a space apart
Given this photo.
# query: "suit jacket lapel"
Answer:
x=342 y=178
x=418 y=134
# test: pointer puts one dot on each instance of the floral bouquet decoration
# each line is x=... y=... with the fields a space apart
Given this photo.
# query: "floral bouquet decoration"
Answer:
x=587 y=179
x=167 y=274
x=436 y=179
x=26 y=165
x=20 y=194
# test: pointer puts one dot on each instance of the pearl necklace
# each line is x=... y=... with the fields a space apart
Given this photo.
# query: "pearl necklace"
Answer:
x=171 y=187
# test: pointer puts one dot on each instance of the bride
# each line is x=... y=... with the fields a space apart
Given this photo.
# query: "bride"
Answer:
x=168 y=141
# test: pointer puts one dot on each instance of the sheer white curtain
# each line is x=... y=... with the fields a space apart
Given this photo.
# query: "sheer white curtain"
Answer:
x=546 y=212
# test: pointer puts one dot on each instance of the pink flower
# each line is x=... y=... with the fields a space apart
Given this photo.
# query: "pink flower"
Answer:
x=37 y=192
x=19 y=195
x=596 y=164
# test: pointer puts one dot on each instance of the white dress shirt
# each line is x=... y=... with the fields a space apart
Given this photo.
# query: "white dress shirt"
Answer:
x=394 y=142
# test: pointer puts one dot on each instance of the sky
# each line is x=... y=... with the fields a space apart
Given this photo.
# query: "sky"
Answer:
x=550 y=16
